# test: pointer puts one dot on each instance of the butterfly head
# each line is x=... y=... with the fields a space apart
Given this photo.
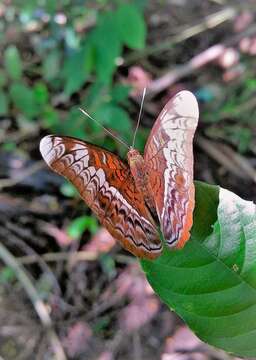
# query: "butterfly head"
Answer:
x=136 y=162
x=134 y=156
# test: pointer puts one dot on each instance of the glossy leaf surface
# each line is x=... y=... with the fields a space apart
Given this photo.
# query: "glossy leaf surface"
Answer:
x=211 y=283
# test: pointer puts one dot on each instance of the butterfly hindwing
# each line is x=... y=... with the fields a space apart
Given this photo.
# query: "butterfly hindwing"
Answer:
x=105 y=183
x=169 y=161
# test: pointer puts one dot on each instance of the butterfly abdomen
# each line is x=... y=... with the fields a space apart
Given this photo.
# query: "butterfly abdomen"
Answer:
x=138 y=170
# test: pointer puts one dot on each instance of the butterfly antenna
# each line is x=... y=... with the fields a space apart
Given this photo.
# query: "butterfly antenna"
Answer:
x=138 y=122
x=107 y=131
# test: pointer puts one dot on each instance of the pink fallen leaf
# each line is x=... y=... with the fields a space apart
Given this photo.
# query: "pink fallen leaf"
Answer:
x=252 y=49
x=101 y=242
x=183 y=340
x=244 y=44
x=130 y=283
x=228 y=58
x=138 y=78
x=248 y=45
x=76 y=341
x=106 y=355
x=178 y=356
x=242 y=21
x=61 y=236
x=207 y=56
x=139 y=313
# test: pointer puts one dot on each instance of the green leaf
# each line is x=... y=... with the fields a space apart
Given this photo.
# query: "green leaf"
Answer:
x=77 y=69
x=7 y=275
x=24 y=99
x=3 y=103
x=3 y=78
x=132 y=27
x=107 y=46
x=52 y=65
x=211 y=283
x=41 y=93
x=120 y=93
x=50 y=118
x=68 y=190
x=73 y=125
x=115 y=118
x=80 y=224
x=12 y=62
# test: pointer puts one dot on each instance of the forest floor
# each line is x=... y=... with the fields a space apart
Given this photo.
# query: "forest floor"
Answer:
x=86 y=297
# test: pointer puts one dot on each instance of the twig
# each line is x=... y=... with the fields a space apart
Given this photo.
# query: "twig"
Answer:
x=32 y=293
x=209 y=22
x=13 y=233
x=224 y=155
x=4 y=183
x=197 y=62
x=72 y=257
x=170 y=77
x=60 y=256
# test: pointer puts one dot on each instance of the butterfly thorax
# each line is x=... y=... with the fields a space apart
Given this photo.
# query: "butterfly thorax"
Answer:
x=139 y=173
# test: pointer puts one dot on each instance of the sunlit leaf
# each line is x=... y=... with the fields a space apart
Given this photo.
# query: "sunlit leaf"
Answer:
x=41 y=93
x=132 y=26
x=107 y=46
x=77 y=67
x=211 y=283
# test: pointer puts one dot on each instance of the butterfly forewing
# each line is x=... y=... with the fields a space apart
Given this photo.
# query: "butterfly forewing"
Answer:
x=169 y=162
x=105 y=183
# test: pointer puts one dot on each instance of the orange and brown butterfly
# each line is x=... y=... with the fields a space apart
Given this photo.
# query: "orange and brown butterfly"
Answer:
x=132 y=199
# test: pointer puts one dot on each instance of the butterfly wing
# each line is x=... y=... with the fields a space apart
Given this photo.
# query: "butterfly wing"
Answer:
x=106 y=185
x=169 y=162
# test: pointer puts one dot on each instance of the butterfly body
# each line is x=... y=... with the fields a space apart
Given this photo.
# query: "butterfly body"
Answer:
x=130 y=199
x=140 y=176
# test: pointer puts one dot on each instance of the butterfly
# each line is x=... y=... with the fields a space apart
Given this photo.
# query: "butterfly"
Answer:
x=132 y=198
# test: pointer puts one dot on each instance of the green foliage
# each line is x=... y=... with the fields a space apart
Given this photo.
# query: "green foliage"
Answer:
x=80 y=224
x=3 y=103
x=12 y=63
x=7 y=275
x=211 y=283
x=24 y=99
x=70 y=61
x=232 y=114
x=108 y=265
x=131 y=26
x=68 y=189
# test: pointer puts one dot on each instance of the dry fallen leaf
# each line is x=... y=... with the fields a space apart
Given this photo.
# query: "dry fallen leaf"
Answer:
x=183 y=340
x=61 y=236
x=138 y=313
x=228 y=58
x=106 y=355
x=242 y=21
x=138 y=78
x=77 y=339
x=101 y=242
